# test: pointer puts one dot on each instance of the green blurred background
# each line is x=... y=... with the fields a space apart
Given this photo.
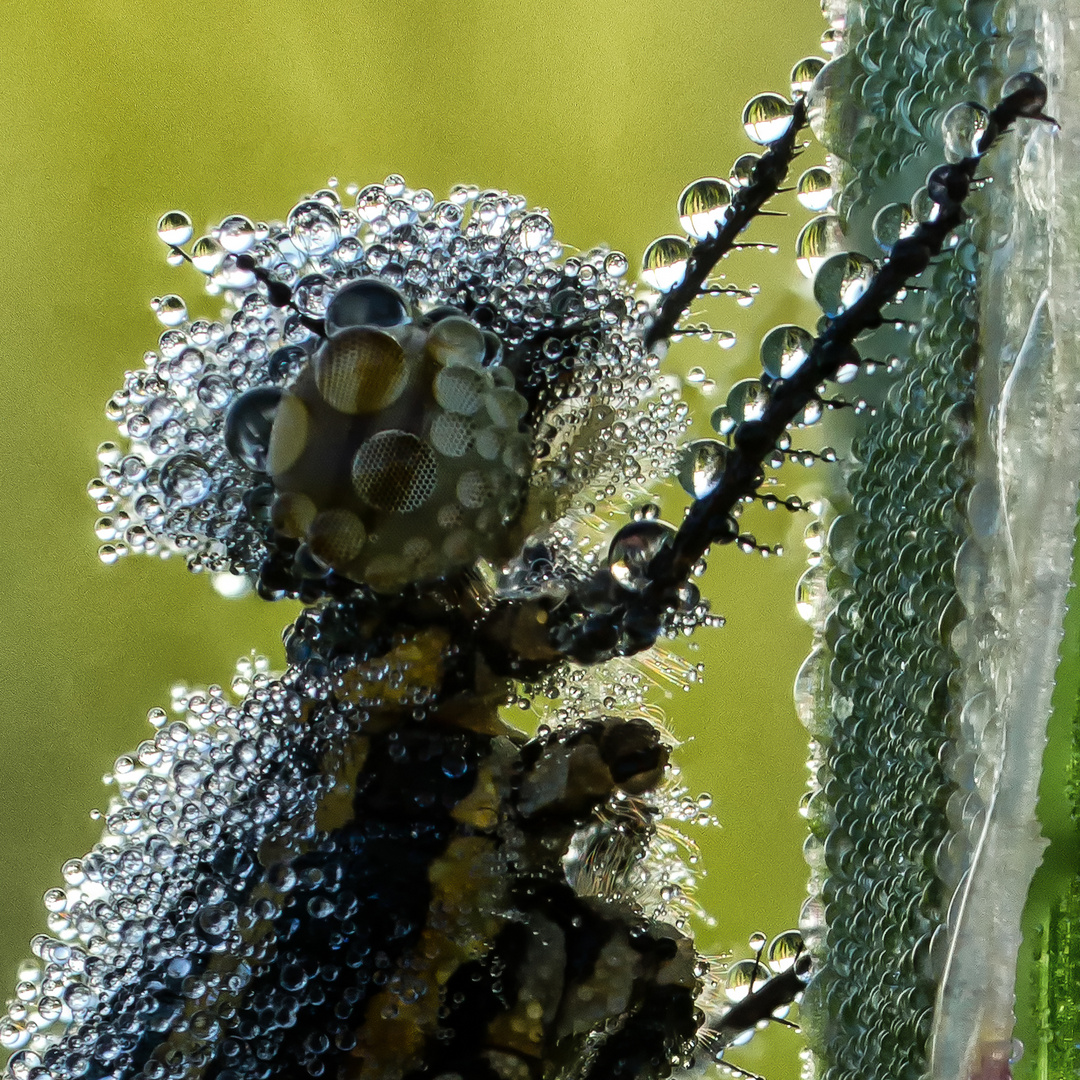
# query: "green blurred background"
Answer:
x=117 y=111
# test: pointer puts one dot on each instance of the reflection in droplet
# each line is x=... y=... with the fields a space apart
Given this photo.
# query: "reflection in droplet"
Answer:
x=664 y=264
x=892 y=223
x=766 y=118
x=841 y=280
x=814 y=189
x=962 y=129
x=633 y=548
x=783 y=350
x=817 y=240
x=701 y=465
x=804 y=73
x=174 y=228
x=703 y=206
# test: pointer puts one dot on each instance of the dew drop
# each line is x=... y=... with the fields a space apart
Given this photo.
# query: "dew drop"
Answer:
x=814 y=189
x=804 y=73
x=784 y=349
x=313 y=228
x=186 y=479
x=663 y=266
x=633 y=548
x=742 y=172
x=236 y=234
x=207 y=255
x=841 y=280
x=174 y=228
x=818 y=239
x=248 y=424
x=747 y=400
x=616 y=264
x=892 y=223
x=170 y=310
x=962 y=129
x=700 y=466
x=766 y=118
x=703 y=206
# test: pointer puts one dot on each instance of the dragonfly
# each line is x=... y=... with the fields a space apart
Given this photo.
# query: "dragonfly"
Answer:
x=360 y=868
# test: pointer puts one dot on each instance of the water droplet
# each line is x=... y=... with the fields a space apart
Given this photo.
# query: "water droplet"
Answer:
x=757 y=940
x=1033 y=89
x=783 y=350
x=962 y=128
x=743 y=170
x=616 y=264
x=185 y=478
x=633 y=548
x=766 y=118
x=367 y=302
x=174 y=228
x=841 y=280
x=815 y=189
x=701 y=465
x=534 y=232
x=834 y=113
x=313 y=228
x=207 y=255
x=804 y=73
x=236 y=234
x=664 y=264
x=818 y=239
x=743 y=977
x=892 y=223
x=747 y=400
x=785 y=950
x=248 y=424
x=703 y=206
x=170 y=310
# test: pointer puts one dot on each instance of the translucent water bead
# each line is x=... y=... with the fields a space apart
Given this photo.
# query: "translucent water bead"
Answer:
x=766 y=118
x=783 y=350
x=841 y=280
x=962 y=127
x=703 y=206
x=817 y=240
x=815 y=189
x=663 y=266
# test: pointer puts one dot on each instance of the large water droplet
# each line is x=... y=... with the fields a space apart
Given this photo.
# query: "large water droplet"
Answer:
x=174 y=228
x=804 y=73
x=170 y=310
x=841 y=280
x=633 y=548
x=892 y=223
x=664 y=264
x=703 y=206
x=962 y=128
x=186 y=479
x=534 y=232
x=701 y=465
x=815 y=189
x=248 y=424
x=367 y=302
x=313 y=228
x=207 y=255
x=835 y=114
x=766 y=118
x=818 y=239
x=783 y=350
x=747 y=400
x=742 y=170
x=236 y=234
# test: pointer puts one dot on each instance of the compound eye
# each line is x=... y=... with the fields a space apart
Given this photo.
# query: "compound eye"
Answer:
x=367 y=302
x=634 y=755
x=248 y=424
